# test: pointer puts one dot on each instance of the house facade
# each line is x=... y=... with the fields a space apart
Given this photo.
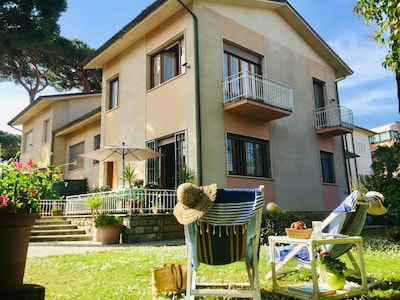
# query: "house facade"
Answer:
x=57 y=128
x=242 y=93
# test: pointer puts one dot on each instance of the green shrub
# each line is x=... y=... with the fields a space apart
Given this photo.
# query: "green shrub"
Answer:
x=275 y=224
x=108 y=220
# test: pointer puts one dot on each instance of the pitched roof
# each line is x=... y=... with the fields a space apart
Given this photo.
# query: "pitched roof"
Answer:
x=164 y=9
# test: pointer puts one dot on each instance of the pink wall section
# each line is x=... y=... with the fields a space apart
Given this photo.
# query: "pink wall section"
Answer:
x=330 y=194
x=244 y=126
x=241 y=182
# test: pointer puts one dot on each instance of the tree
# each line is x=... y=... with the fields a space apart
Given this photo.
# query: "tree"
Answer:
x=32 y=52
x=28 y=29
x=386 y=15
x=68 y=73
x=386 y=177
x=9 y=145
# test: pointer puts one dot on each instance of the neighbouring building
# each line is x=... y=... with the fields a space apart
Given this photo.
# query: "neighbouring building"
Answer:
x=242 y=93
x=385 y=135
x=58 y=128
x=358 y=154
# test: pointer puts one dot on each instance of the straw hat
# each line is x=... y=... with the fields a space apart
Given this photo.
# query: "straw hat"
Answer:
x=193 y=201
x=375 y=200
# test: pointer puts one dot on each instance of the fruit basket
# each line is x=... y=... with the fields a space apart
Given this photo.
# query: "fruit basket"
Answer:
x=298 y=230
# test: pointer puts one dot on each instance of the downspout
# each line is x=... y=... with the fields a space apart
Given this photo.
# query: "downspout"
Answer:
x=197 y=88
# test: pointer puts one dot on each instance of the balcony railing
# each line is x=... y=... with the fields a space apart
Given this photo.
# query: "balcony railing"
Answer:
x=124 y=201
x=246 y=85
x=334 y=120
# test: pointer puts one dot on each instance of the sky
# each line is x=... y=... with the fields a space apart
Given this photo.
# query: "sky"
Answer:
x=370 y=91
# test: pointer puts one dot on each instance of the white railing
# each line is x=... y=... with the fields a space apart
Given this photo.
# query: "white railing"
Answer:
x=47 y=205
x=333 y=116
x=124 y=201
x=246 y=85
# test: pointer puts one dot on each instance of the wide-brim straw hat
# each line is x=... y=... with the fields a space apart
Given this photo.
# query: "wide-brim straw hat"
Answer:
x=193 y=201
x=374 y=200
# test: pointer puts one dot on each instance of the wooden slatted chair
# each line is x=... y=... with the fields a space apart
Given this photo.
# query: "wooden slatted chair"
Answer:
x=227 y=233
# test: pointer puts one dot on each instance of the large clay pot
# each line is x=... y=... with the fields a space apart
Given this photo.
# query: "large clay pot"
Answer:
x=335 y=282
x=110 y=234
x=15 y=231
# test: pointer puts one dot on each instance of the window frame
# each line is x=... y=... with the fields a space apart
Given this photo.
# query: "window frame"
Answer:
x=28 y=141
x=327 y=167
x=113 y=97
x=74 y=152
x=96 y=146
x=158 y=78
x=246 y=158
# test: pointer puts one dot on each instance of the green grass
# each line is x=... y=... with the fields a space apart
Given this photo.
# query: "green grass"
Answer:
x=126 y=273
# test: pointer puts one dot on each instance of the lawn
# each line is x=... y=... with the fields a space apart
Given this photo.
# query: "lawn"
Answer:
x=126 y=273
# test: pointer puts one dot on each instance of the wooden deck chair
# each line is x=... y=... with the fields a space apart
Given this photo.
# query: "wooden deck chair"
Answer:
x=347 y=219
x=228 y=232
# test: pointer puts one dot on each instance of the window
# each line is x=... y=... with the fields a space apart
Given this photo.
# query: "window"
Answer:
x=328 y=172
x=168 y=63
x=28 y=141
x=46 y=129
x=319 y=95
x=96 y=145
x=113 y=97
x=248 y=156
x=74 y=155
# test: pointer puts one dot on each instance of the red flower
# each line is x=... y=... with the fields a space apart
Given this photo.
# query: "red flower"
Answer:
x=31 y=163
x=323 y=254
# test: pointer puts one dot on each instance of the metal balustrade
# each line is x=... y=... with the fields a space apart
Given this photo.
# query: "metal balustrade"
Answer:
x=124 y=201
x=247 y=85
x=331 y=116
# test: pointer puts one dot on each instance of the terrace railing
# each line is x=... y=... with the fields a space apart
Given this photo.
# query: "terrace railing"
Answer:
x=124 y=201
x=247 y=85
x=334 y=116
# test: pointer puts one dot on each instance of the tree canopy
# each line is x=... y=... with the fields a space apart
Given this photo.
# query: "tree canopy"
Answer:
x=386 y=15
x=9 y=145
x=34 y=55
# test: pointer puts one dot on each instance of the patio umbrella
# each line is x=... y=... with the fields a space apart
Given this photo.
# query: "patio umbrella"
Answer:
x=124 y=152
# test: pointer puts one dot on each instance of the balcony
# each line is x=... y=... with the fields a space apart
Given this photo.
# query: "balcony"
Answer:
x=333 y=121
x=253 y=96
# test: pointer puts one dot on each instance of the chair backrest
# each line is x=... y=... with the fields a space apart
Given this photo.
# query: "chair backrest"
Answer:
x=224 y=233
x=347 y=219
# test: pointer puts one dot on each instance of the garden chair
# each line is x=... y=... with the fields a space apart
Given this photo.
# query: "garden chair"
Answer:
x=228 y=232
x=347 y=219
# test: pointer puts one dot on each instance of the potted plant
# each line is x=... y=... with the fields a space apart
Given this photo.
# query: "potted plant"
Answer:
x=110 y=228
x=56 y=211
x=21 y=188
x=334 y=269
x=129 y=175
x=393 y=234
x=95 y=203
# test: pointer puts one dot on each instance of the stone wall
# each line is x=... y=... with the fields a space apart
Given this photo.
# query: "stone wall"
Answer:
x=149 y=228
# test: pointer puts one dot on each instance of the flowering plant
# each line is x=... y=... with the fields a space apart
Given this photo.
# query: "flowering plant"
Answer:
x=56 y=209
x=331 y=264
x=22 y=186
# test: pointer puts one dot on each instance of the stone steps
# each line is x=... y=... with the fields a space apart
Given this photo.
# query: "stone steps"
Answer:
x=52 y=229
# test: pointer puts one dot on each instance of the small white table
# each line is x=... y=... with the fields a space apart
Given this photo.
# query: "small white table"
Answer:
x=312 y=289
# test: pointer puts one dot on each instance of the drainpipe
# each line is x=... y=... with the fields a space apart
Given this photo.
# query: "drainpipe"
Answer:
x=197 y=88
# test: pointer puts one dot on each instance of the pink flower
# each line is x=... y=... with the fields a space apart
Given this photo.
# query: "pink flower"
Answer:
x=3 y=201
x=18 y=164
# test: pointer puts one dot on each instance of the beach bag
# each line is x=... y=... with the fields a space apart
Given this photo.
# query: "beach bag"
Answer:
x=168 y=279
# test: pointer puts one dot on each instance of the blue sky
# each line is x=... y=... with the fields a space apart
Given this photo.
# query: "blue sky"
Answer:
x=370 y=92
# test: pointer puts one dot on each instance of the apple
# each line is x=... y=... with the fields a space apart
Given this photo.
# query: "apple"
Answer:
x=299 y=225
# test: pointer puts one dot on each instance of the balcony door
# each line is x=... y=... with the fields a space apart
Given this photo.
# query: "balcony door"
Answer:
x=320 y=103
x=242 y=68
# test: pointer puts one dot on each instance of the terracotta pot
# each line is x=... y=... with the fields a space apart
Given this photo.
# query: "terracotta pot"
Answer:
x=15 y=231
x=56 y=214
x=335 y=282
x=110 y=235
